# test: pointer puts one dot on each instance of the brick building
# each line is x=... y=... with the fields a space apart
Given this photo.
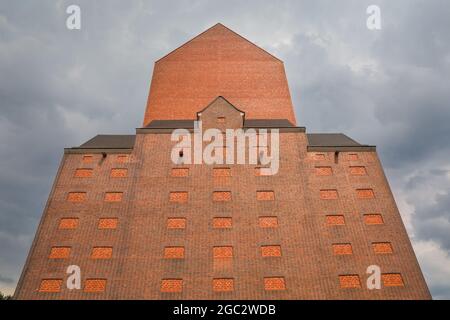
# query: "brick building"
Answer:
x=141 y=227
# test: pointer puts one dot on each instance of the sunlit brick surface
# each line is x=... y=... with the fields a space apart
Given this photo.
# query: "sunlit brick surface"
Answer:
x=223 y=285
x=274 y=284
x=68 y=223
x=60 y=253
x=95 y=285
x=50 y=285
x=352 y=157
x=108 y=223
x=172 y=285
x=350 y=281
x=392 y=280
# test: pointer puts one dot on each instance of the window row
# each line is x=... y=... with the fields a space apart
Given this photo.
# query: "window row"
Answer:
x=347 y=281
x=219 y=252
x=323 y=156
x=221 y=222
x=120 y=158
x=88 y=172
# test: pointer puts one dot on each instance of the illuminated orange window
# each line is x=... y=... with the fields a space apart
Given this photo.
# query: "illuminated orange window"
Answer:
x=365 y=193
x=122 y=158
x=223 y=285
x=176 y=223
x=265 y=195
x=50 y=285
x=350 y=281
x=392 y=280
x=358 y=171
x=271 y=251
x=101 y=253
x=324 y=171
x=335 y=220
x=382 y=247
x=221 y=172
x=76 y=196
x=328 y=194
x=178 y=197
x=274 y=284
x=342 y=249
x=172 y=285
x=113 y=196
x=223 y=252
x=83 y=173
x=174 y=252
x=268 y=222
x=95 y=285
x=119 y=173
x=68 y=223
x=222 y=196
x=180 y=172
x=222 y=222
x=373 y=219
x=88 y=158
x=60 y=253
x=108 y=223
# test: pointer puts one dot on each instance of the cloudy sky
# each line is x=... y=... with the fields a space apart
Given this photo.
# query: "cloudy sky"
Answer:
x=389 y=87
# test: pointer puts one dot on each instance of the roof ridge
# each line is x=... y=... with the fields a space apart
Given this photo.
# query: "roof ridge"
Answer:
x=214 y=26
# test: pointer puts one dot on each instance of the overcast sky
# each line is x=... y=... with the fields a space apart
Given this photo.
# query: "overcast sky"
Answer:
x=391 y=88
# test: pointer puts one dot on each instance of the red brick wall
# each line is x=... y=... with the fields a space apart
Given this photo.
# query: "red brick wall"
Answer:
x=219 y=63
x=301 y=224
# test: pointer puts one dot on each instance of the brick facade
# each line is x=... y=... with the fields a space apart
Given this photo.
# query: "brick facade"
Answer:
x=172 y=231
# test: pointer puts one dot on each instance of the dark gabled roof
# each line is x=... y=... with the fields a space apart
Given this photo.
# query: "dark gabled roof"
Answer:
x=218 y=25
x=171 y=124
x=251 y=123
x=331 y=140
x=268 y=123
x=103 y=141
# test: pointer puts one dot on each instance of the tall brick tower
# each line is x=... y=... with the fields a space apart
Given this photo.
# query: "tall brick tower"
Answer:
x=139 y=226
